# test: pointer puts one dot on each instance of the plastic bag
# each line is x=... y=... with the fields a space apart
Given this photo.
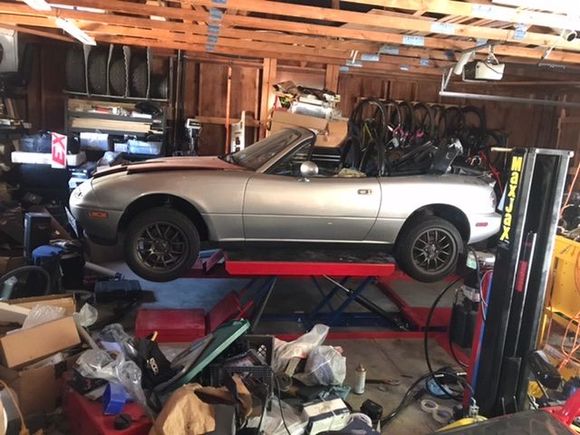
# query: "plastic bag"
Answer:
x=40 y=314
x=325 y=366
x=88 y=315
x=301 y=347
x=99 y=364
x=114 y=333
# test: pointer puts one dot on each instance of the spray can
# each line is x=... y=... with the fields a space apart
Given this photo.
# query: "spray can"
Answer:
x=359 y=380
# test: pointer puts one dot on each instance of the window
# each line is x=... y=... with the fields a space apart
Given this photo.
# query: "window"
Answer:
x=256 y=155
x=290 y=164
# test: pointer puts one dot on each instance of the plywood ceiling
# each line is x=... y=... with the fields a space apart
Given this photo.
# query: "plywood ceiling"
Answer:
x=423 y=36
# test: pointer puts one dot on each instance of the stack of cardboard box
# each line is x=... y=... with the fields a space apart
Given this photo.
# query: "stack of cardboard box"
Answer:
x=27 y=356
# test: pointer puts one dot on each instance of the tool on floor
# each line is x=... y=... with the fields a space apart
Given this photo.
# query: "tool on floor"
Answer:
x=441 y=414
x=372 y=409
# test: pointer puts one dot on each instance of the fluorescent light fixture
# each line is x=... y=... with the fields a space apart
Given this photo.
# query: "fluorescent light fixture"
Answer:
x=39 y=5
x=562 y=6
x=370 y=57
x=78 y=8
x=404 y=68
x=354 y=63
x=73 y=30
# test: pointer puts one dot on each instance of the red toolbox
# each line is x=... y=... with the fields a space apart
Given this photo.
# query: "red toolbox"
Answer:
x=86 y=417
x=172 y=325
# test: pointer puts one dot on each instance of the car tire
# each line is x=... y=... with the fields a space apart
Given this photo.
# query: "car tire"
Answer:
x=118 y=77
x=151 y=239
x=75 y=70
x=428 y=248
x=97 y=66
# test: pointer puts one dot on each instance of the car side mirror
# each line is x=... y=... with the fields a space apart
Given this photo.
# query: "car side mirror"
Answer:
x=307 y=170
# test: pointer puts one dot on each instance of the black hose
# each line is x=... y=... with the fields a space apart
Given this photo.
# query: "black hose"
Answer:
x=426 y=338
x=27 y=269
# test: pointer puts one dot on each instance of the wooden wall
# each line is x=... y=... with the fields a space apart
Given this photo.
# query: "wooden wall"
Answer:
x=205 y=88
x=205 y=85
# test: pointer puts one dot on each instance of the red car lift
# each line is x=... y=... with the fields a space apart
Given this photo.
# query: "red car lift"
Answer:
x=335 y=266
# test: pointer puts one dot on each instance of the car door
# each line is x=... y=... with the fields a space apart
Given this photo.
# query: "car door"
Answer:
x=322 y=208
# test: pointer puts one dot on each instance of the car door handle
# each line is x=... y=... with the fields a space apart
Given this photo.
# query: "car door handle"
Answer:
x=364 y=191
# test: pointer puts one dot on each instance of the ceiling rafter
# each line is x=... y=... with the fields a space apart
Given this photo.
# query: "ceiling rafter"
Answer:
x=481 y=9
x=231 y=46
x=288 y=31
x=276 y=25
x=403 y=24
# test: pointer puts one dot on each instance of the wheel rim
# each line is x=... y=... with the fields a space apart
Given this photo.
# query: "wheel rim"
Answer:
x=433 y=250
x=162 y=246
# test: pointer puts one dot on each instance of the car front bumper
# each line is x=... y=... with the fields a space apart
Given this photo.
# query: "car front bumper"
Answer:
x=484 y=226
x=99 y=223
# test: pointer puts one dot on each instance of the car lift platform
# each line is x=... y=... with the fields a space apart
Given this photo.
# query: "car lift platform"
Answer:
x=264 y=266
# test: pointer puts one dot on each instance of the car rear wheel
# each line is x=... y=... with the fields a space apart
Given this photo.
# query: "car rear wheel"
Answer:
x=428 y=248
x=161 y=244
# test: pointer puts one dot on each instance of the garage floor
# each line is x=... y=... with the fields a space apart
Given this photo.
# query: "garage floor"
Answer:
x=383 y=358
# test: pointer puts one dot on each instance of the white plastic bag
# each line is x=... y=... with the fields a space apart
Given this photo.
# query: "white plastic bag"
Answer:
x=325 y=366
x=40 y=314
x=301 y=347
x=88 y=315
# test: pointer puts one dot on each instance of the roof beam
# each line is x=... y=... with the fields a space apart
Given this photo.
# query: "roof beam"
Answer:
x=412 y=24
x=481 y=10
x=269 y=24
x=230 y=46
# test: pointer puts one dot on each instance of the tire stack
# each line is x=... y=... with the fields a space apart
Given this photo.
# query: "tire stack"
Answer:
x=113 y=71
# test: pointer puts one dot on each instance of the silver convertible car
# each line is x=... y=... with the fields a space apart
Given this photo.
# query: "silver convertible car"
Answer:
x=282 y=189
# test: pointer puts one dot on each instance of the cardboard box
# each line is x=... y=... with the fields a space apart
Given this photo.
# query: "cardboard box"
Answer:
x=21 y=347
x=65 y=301
x=39 y=390
x=282 y=119
x=330 y=133
x=28 y=345
x=16 y=310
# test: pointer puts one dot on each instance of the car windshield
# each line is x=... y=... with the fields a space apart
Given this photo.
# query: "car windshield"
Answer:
x=255 y=155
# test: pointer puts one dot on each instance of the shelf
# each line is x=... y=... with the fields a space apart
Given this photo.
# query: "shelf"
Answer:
x=97 y=115
x=116 y=97
x=111 y=132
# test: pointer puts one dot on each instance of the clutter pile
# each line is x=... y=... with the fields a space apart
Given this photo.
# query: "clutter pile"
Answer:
x=222 y=383
x=225 y=381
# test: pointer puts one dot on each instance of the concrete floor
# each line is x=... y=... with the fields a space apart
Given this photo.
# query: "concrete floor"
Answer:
x=400 y=359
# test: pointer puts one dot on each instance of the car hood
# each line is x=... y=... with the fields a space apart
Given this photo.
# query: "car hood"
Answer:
x=172 y=164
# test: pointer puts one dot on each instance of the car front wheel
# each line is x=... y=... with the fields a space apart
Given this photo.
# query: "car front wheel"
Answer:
x=428 y=248
x=161 y=244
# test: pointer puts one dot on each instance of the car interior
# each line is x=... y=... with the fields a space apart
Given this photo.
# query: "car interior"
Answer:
x=347 y=160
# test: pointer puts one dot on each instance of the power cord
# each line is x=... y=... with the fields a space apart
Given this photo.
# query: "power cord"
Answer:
x=450 y=341
x=280 y=401
x=412 y=395
x=426 y=339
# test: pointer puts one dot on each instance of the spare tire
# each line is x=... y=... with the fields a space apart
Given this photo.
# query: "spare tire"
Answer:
x=138 y=77
x=97 y=66
x=75 y=69
x=159 y=87
x=118 y=76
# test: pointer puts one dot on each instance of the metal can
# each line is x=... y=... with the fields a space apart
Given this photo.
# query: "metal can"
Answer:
x=359 y=380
